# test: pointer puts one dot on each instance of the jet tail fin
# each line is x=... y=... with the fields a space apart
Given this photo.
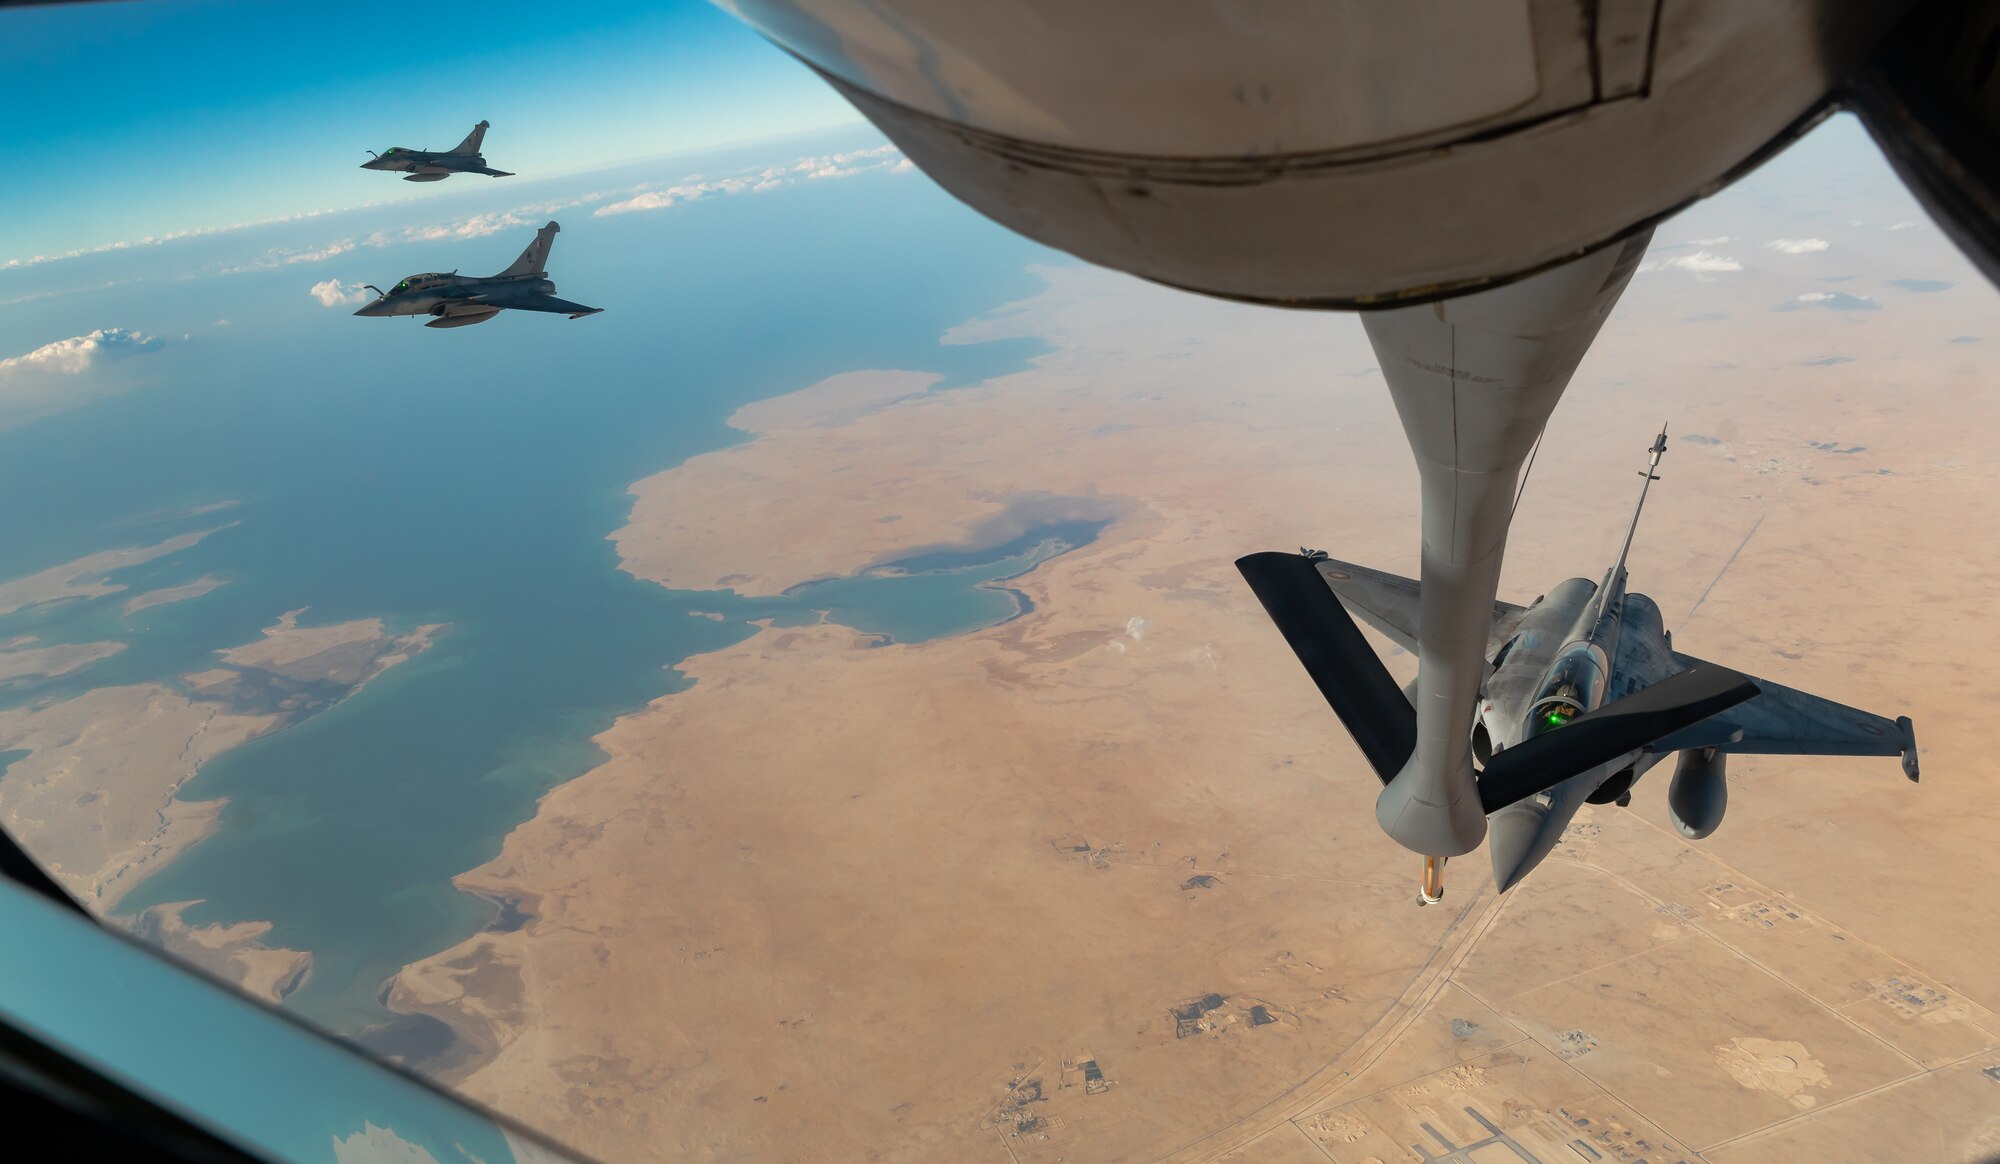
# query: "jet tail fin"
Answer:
x=534 y=260
x=472 y=140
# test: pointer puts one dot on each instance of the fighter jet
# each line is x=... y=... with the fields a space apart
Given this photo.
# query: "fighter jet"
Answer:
x=462 y=300
x=1583 y=693
x=437 y=165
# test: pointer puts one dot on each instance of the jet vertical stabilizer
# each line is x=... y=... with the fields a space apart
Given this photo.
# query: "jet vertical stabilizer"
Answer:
x=1474 y=380
x=472 y=140
x=535 y=260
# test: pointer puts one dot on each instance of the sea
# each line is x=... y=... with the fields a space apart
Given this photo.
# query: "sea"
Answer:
x=380 y=469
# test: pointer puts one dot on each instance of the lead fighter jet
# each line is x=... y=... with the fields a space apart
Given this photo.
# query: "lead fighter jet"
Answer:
x=462 y=300
x=437 y=165
x=1586 y=673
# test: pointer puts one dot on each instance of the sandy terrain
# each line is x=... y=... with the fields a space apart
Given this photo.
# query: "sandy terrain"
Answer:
x=910 y=903
x=1103 y=883
x=22 y=658
x=84 y=577
x=181 y=593
x=95 y=798
x=233 y=953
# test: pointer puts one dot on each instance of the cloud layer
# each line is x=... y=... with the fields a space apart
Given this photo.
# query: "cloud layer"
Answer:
x=753 y=181
x=51 y=378
x=1701 y=263
x=77 y=353
x=334 y=293
x=1796 y=246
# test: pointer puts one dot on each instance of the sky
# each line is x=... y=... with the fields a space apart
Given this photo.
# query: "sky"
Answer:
x=129 y=119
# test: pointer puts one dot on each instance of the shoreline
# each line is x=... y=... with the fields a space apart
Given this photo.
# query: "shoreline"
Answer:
x=125 y=754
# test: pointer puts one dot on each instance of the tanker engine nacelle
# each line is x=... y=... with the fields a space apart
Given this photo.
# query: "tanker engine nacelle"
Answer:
x=1699 y=793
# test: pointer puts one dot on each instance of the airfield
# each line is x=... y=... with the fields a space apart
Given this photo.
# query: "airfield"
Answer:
x=1104 y=883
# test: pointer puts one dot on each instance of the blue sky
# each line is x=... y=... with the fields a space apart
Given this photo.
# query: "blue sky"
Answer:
x=126 y=119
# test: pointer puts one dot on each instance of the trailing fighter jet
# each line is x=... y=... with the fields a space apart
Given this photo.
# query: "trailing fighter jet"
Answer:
x=1582 y=694
x=437 y=165
x=462 y=300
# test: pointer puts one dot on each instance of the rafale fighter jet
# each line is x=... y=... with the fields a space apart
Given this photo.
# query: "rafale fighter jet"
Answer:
x=437 y=165
x=1587 y=669
x=462 y=300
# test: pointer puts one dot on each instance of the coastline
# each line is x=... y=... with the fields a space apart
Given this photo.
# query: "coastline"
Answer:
x=772 y=853
x=835 y=896
x=123 y=755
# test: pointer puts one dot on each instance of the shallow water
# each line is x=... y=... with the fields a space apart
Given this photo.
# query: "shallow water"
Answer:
x=471 y=477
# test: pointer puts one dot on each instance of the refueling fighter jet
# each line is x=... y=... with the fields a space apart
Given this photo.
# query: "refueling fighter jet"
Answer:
x=462 y=300
x=1587 y=657
x=437 y=165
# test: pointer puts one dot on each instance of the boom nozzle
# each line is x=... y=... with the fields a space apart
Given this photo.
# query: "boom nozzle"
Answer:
x=1431 y=891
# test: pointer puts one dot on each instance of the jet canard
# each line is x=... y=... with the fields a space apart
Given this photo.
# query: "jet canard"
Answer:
x=1583 y=694
x=457 y=300
x=437 y=165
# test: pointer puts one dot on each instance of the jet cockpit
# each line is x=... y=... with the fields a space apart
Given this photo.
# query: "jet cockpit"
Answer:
x=1574 y=685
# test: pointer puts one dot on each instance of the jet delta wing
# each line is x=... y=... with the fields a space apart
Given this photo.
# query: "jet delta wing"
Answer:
x=527 y=299
x=1783 y=721
x=1390 y=602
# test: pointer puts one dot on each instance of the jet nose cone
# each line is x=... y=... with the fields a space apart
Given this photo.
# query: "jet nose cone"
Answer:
x=376 y=308
x=1516 y=834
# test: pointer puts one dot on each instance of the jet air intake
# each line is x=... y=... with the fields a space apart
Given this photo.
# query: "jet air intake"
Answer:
x=1700 y=792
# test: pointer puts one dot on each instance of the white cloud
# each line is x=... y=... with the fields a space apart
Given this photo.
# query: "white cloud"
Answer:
x=50 y=379
x=155 y=240
x=1902 y=226
x=661 y=199
x=373 y=1145
x=77 y=353
x=1703 y=263
x=1717 y=241
x=756 y=181
x=1796 y=246
x=1815 y=297
x=326 y=252
x=477 y=226
x=334 y=293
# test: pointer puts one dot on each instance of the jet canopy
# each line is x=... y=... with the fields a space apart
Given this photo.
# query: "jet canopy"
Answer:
x=1574 y=685
x=415 y=282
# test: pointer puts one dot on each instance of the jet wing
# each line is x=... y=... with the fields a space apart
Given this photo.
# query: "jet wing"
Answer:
x=1787 y=722
x=525 y=300
x=1388 y=602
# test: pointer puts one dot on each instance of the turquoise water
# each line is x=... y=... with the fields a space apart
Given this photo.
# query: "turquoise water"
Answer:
x=470 y=477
